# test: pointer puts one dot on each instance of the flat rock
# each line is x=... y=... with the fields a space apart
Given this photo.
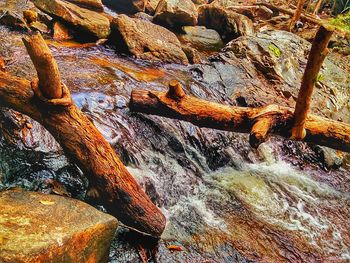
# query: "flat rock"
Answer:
x=127 y=6
x=228 y=23
x=90 y=4
x=146 y=40
x=176 y=13
x=35 y=227
x=82 y=19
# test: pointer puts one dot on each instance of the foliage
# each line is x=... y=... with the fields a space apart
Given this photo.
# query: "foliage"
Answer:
x=342 y=21
x=276 y=51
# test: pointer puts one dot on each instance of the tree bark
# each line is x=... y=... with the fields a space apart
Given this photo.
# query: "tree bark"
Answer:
x=317 y=7
x=110 y=183
x=259 y=122
x=317 y=55
x=44 y=63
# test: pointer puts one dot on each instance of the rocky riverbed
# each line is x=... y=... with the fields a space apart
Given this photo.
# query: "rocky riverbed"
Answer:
x=224 y=201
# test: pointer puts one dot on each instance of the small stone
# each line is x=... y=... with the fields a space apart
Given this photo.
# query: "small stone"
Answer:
x=41 y=27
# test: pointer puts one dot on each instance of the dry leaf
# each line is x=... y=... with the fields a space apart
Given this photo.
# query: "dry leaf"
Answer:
x=174 y=248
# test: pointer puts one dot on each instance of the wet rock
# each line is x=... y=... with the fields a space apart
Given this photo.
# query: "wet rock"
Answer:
x=192 y=55
x=229 y=24
x=275 y=53
x=35 y=227
x=127 y=6
x=146 y=40
x=60 y=31
x=90 y=4
x=330 y=158
x=82 y=19
x=202 y=37
x=12 y=19
x=176 y=13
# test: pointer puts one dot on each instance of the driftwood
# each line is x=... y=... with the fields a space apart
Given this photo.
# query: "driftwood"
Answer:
x=305 y=17
x=110 y=183
x=259 y=122
x=316 y=57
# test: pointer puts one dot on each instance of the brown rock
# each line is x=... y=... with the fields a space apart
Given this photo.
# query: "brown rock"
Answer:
x=60 y=31
x=176 y=13
x=90 y=4
x=2 y=64
x=35 y=227
x=30 y=16
x=254 y=12
x=146 y=40
x=228 y=23
x=127 y=6
x=82 y=19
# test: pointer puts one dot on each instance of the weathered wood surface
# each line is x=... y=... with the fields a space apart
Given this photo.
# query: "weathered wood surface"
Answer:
x=110 y=183
x=259 y=122
x=316 y=57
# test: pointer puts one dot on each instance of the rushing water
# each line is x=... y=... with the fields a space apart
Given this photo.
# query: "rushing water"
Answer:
x=224 y=201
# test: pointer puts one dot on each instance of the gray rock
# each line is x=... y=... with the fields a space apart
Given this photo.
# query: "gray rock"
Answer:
x=176 y=13
x=200 y=36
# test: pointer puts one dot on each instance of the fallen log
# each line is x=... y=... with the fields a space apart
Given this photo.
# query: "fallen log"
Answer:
x=110 y=183
x=259 y=122
x=305 y=17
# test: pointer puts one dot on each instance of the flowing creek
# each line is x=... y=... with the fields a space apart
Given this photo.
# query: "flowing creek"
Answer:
x=224 y=201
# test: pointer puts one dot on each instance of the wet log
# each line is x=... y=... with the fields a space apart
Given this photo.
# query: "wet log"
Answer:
x=259 y=122
x=110 y=183
x=316 y=57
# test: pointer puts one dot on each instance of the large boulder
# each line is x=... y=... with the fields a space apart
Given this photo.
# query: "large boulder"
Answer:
x=90 y=4
x=146 y=40
x=176 y=13
x=36 y=227
x=127 y=6
x=90 y=22
x=227 y=22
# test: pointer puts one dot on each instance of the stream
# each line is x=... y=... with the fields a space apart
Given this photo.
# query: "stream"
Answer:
x=224 y=201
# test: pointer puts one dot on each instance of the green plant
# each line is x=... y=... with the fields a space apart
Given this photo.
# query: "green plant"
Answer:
x=275 y=50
